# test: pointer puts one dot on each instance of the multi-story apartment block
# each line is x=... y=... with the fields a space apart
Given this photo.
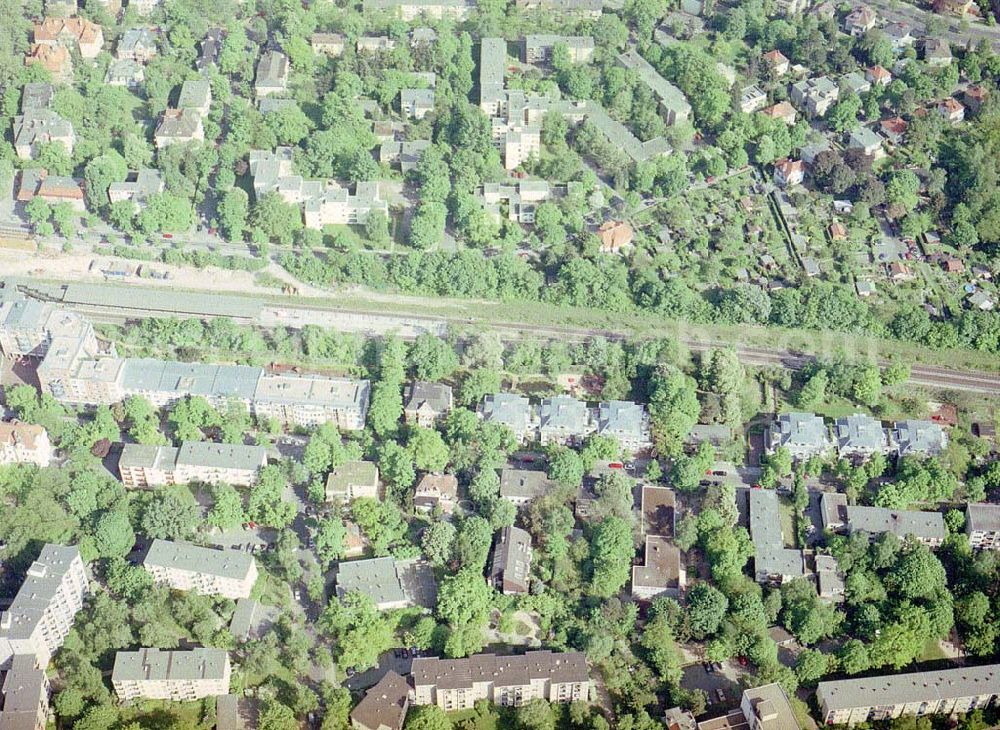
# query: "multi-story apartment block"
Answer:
x=516 y=202
x=186 y=567
x=307 y=400
x=272 y=74
x=24 y=695
x=181 y=676
x=28 y=327
x=860 y=435
x=352 y=480
x=773 y=562
x=512 y=411
x=411 y=9
x=195 y=461
x=927 y=527
x=37 y=127
x=457 y=684
x=662 y=572
x=982 y=524
x=625 y=421
x=804 y=435
x=919 y=438
x=674 y=108
x=538 y=48
x=563 y=420
x=137 y=44
x=42 y=612
x=24 y=443
x=138 y=186
x=945 y=692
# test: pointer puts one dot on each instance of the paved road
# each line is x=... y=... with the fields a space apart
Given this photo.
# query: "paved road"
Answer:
x=406 y=311
x=894 y=11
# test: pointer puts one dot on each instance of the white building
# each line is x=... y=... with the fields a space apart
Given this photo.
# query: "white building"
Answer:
x=187 y=567
x=195 y=461
x=24 y=443
x=180 y=676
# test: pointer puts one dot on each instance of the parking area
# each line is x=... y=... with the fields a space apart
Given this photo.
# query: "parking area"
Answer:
x=720 y=682
x=396 y=661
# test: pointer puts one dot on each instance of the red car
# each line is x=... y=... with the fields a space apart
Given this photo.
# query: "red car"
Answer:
x=168 y=235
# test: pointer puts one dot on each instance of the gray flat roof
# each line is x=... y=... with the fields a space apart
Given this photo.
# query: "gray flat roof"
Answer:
x=155 y=665
x=196 y=559
x=876 y=520
x=376 y=578
x=913 y=687
x=982 y=517
x=524 y=483
x=222 y=456
x=668 y=94
x=161 y=376
x=39 y=588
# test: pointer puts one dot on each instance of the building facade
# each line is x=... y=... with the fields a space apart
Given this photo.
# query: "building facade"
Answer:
x=187 y=567
x=180 y=676
x=195 y=461
x=457 y=684
x=982 y=524
x=24 y=443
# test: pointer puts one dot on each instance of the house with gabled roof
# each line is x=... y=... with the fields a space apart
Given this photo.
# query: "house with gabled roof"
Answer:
x=563 y=420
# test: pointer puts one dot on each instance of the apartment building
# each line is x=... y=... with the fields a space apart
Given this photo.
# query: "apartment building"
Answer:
x=804 y=435
x=352 y=480
x=72 y=34
x=927 y=527
x=510 y=410
x=674 y=108
x=42 y=612
x=919 y=438
x=37 y=127
x=625 y=421
x=24 y=695
x=773 y=562
x=434 y=491
x=180 y=676
x=272 y=74
x=186 y=567
x=945 y=692
x=334 y=204
x=384 y=706
x=510 y=568
x=860 y=435
x=563 y=420
x=178 y=126
x=457 y=684
x=28 y=327
x=538 y=48
x=662 y=572
x=143 y=466
x=411 y=9
x=815 y=96
x=517 y=201
x=383 y=580
x=426 y=403
x=138 y=187
x=520 y=486
x=308 y=400
x=24 y=443
x=982 y=524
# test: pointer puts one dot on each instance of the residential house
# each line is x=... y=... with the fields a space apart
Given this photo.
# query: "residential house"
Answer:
x=937 y=52
x=662 y=572
x=416 y=103
x=186 y=567
x=138 y=186
x=893 y=129
x=625 y=421
x=405 y=155
x=180 y=676
x=804 y=435
x=752 y=98
x=899 y=272
x=209 y=49
x=922 y=438
x=336 y=205
x=837 y=231
x=982 y=525
x=53 y=189
x=951 y=110
x=927 y=527
x=383 y=580
x=272 y=74
x=328 y=44
x=137 y=44
x=860 y=20
x=615 y=235
x=125 y=72
x=512 y=411
x=205 y=462
x=178 y=126
x=436 y=490
x=352 y=480
x=789 y=173
x=773 y=562
x=36 y=96
x=674 y=108
x=24 y=695
x=457 y=684
x=24 y=443
x=510 y=567
x=860 y=435
x=36 y=127
x=955 y=7
x=975 y=96
x=384 y=706
x=41 y=615
x=144 y=7
x=563 y=420
x=716 y=434
x=538 y=48
x=864 y=139
x=520 y=486
x=195 y=96
x=374 y=44
x=782 y=111
x=939 y=692
x=777 y=62
x=829 y=579
x=815 y=96
x=855 y=83
x=900 y=36
x=789 y=8
x=426 y=403
x=878 y=76
x=54 y=59
x=71 y=33
x=980 y=300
